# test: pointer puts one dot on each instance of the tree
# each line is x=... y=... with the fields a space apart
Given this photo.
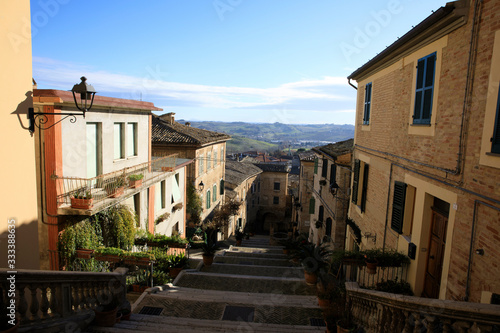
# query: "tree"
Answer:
x=194 y=204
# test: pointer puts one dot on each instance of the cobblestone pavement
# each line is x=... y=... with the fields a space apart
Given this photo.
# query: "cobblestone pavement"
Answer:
x=250 y=288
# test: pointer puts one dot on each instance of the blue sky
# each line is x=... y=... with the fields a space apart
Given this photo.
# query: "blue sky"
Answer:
x=223 y=60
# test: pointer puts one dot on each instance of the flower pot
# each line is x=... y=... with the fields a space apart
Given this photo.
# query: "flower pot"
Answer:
x=105 y=319
x=135 y=183
x=343 y=327
x=174 y=271
x=324 y=303
x=208 y=259
x=311 y=278
x=84 y=253
x=107 y=257
x=115 y=192
x=371 y=267
x=167 y=169
x=82 y=203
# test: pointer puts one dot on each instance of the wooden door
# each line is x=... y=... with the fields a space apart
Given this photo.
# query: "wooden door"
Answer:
x=435 y=255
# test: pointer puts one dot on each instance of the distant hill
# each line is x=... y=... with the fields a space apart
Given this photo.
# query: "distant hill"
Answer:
x=239 y=144
x=276 y=132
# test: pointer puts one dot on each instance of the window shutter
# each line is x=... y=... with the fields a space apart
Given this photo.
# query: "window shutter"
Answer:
x=312 y=204
x=221 y=186
x=398 y=207
x=355 y=181
x=324 y=168
x=208 y=199
x=333 y=173
x=426 y=67
x=315 y=166
x=368 y=99
x=321 y=213
x=495 y=141
x=365 y=188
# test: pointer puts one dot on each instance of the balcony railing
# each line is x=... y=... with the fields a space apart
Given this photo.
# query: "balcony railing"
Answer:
x=54 y=299
x=378 y=311
x=355 y=271
x=106 y=189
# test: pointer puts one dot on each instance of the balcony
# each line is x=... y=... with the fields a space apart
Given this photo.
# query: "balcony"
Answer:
x=111 y=188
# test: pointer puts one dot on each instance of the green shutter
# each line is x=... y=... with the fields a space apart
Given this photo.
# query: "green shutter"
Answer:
x=221 y=187
x=312 y=204
x=354 y=195
x=495 y=140
x=208 y=199
x=398 y=207
x=365 y=188
x=315 y=166
x=324 y=168
x=333 y=173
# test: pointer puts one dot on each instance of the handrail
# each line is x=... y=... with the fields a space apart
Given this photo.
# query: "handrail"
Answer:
x=378 y=311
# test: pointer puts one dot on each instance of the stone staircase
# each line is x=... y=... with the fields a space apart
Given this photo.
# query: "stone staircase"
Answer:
x=250 y=288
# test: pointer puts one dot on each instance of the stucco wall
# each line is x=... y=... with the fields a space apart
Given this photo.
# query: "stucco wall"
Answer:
x=19 y=190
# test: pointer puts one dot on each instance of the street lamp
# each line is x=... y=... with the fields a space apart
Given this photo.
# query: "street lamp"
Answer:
x=201 y=186
x=86 y=92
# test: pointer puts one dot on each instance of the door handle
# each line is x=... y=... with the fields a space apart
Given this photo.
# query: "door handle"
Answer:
x=432 y=257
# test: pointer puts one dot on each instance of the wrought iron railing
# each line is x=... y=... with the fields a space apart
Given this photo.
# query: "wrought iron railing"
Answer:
x=111 y=185
x=49 y=298
x=377 y=311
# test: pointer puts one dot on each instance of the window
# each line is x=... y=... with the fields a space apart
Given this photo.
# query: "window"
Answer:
x=398 y=207
x=368 y=101
x=360 y=178
x=333 y=173
x=215 y=158
x=312 y=205
x=495 y=140
x=176 y=192
x=222 y=155
x=276 y=200
x=131 y=139
x=324 y=168
x=315 y=166
x=321 y=213
x=258 y=186
x=162 y=190
x=214 y=193
x=277 y=186
x=119 y=138
x=200 y=164
x=424 y=89
x=221 y=187
x=208 y=199
x=209 y=160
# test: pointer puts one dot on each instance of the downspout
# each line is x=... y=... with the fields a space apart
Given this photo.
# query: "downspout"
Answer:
x=352 y=85
x=387 y=208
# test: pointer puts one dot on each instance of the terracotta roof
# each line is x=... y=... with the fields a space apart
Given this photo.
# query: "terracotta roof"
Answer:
x=237 y=172
x=273 y=167
x=165 y=133
x=336 y=149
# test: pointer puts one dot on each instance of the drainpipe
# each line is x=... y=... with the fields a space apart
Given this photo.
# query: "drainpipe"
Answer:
x=387 y=208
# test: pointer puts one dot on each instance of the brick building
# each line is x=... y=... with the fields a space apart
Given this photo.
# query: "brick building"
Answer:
x=426 y=177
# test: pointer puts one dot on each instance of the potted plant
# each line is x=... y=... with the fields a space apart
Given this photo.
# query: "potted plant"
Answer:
x=84 y=253
x=322 y=182
x=176 y=264
x=135 y=181
x=106 y=311
x=110 y=254
x=209 y=248
x=137 y=258
x=116 y=187
x=371 y=261
x=177 y=207
x=125 y=313
x=345 y=325
x=313 y=258
x=319 y=224
x=82 y=199
x=239 y=237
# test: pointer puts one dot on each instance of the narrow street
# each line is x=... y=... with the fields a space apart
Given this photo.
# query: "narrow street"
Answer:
x=251 y=288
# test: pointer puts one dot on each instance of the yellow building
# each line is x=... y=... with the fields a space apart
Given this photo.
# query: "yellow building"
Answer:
x=19 y=195
x=426 y=177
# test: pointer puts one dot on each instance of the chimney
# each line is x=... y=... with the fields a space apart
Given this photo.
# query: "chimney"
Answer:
x=187 y=123
x=168 y=117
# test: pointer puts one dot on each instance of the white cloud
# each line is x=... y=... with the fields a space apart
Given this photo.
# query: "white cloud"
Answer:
x=325 y=94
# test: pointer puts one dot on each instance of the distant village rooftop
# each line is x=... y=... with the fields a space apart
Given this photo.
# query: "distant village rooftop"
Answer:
x=237 y=172
x=165 y=130
x=307 y=156
x=274 y=167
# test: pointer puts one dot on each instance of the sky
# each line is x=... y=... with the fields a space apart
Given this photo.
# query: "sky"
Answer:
x=220 y=60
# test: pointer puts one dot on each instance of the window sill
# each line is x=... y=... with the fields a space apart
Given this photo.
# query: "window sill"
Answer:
x=493 y=154
x=132 y=157
x=421 y=125
x=119 y=160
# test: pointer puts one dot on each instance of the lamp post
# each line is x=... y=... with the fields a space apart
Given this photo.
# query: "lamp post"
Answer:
x=87 y=94
x=201 y=186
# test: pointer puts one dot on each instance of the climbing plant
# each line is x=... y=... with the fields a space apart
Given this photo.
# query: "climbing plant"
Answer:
x=118 y=227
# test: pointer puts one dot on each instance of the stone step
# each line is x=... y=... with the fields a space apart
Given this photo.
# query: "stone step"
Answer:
x=255 y=255
x=233 y=297
x=246 y=283
x=248 y=260
x=255 y=249
x=145 y=323
x=273 y=271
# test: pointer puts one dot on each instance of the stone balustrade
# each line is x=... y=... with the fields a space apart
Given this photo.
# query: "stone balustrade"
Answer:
x=49 y=296
x=377 y=311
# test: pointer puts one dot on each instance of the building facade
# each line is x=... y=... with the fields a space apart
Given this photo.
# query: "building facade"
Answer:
x=426 y=171
x=206 y=148
x=306 y=181
x=329 y=202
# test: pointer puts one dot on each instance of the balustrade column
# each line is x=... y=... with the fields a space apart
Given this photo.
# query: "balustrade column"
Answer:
x=22 y=308
x=44 y=305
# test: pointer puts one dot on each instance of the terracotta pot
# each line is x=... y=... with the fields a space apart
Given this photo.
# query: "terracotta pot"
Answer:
x=116 y=192
x=84 y=253
x=82 y=203
x=371 y=267
x=311 y=278
x=208 y=260
x=107 y=257
x=324 y=303
x=135 y=183
x=167 y=169
x=174 y=271
x=105 y=319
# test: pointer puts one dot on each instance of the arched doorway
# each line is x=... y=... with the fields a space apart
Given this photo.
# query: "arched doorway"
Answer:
x=269 y=219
